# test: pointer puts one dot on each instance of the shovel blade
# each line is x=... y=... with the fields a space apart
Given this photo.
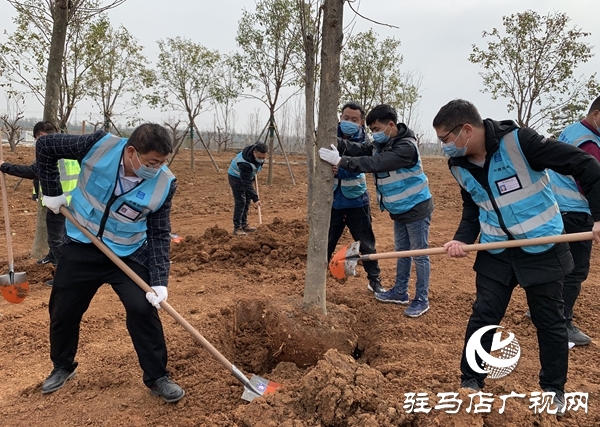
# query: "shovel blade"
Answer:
x=343 y=263
x=14 y=287
x=260 y=384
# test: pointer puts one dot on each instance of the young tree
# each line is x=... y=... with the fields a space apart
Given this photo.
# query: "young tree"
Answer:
x=186 y=80
x=15 y=111
x=122 y=72
x=319 y=211
x=371 y=73
x=268 y=38
x=225 y=94
x=532 y=64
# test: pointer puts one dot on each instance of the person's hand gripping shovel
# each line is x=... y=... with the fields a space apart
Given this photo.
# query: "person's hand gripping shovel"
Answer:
x=13 y=286
x=253 y=388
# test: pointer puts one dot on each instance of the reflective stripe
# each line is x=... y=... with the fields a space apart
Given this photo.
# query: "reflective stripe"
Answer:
x=532 y=223
x=399 y=175
x=406 y=193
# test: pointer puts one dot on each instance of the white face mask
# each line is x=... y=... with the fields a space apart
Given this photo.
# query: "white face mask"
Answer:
x=596 y=124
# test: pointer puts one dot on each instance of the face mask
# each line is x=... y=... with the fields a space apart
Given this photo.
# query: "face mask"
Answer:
x=596 y=124
x=260 y=161
x=144 y=171
x=381 y=137
x=452 y=151
x=348 y=128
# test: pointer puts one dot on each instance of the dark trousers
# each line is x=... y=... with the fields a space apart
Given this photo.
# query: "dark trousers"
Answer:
x=241 y=202
x=359 y=222
x=546 y=306
x=81 y=271
x=576 y=222
x=55 y=224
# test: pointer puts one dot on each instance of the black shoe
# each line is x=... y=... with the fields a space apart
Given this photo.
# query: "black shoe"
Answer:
x=50 y=282
x=167 y=389
x=239 y=232
x=470 y=384
x=576 y=336
x=57 y=378
x=249 y=229
x=375 y=286
x=44 y=260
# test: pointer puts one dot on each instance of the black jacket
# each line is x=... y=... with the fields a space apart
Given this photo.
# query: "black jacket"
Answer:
x=27 y=172
x=246 y=171
x=541 y=153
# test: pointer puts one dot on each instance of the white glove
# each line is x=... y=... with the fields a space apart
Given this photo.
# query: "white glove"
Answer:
x=161 y=295
x=330 y=156
x=54 y=202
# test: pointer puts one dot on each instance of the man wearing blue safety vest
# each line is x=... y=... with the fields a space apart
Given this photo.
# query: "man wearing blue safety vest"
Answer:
x=506 y=195
x=575 y=211
x=242 y=170
x=123 y=196
x=351 y=207
x=402 y=190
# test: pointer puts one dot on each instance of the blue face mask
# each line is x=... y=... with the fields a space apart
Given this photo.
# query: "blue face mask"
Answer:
x=381 y=137
x=144 y=171
x=349 y=128
x=260 y=161
x=451 y=150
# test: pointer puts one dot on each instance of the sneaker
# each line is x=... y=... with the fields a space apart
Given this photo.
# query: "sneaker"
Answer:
x=239 y=232
x=57 y=378
x=167 y=389
x=393 y=297
x=50 y=282
x=375 y=286
x=417 y=308
x=559 y=401
x=249 y=229
x=44 y=260
x=576 y=336
x=470 y=384
x=528 y=314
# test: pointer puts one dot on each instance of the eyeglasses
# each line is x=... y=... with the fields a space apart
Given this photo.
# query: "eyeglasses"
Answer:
x=152 y=165
x=443 y=138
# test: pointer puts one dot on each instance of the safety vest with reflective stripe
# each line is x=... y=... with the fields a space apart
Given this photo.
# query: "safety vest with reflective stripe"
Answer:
x=401 y=190
x=69 y=172
x=522 y=202
x=352 y=187
x=565 y=188
x=121 y=220
x=234 y=170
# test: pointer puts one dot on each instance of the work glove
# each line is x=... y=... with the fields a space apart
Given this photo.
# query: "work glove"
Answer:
x=55 y=202
x=330 y=156
x=161 y=295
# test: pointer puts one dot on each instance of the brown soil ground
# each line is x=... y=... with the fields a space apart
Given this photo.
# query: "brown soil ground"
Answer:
x=243 y=294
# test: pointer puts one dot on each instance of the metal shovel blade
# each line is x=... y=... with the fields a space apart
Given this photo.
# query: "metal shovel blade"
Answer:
x=343 y=263
x=260 y=385
x=14 y=287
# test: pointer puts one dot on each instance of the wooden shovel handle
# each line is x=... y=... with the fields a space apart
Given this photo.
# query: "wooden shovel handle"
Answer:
x=259 y=213
x=11 y=260
x=142 y=284
x=572 y=237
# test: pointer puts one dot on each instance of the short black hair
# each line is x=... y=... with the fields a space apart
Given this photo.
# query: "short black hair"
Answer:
x=261 y=148
x=151 y=137
x=46 y=126
x=354 y=106
x=595 y=105
x=455 y=113
x=382 y=113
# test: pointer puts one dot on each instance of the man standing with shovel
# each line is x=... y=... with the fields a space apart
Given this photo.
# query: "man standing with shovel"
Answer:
x=123 y=196
x=506 y=195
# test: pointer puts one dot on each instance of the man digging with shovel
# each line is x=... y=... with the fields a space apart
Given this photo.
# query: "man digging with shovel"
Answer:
x=123 y=196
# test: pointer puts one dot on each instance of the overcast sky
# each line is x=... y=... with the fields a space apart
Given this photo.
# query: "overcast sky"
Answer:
x=436 y=38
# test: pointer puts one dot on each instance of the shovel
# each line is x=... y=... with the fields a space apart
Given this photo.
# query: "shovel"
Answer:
x=253 y=388
x=13 y=286
x=343 y=263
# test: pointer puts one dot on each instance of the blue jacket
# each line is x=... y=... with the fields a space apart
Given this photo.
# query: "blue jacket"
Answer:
x=519 y=199
x=565 y=188
x=350 y=188
x=119 y=220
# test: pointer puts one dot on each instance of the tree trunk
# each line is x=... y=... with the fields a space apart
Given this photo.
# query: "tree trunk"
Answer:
x=60 y=16
x=319 y=210
x=309 y=131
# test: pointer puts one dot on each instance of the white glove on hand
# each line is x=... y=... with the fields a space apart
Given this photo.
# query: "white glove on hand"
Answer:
x=330 y=156
x=55 y=202
x=161 y=295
